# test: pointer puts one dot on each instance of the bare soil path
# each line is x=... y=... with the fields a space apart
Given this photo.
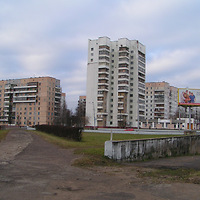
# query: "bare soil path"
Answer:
x=31 y=168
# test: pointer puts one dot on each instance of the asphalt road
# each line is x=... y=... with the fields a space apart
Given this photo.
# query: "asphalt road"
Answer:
x=136 y=131
x=31 y=168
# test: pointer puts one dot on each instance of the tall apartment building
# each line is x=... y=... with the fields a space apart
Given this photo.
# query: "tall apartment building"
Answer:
x=115 y=82
x=161 y=100
x=30 y=101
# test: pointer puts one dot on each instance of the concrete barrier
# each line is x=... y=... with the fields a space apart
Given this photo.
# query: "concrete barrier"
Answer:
x=133 y=150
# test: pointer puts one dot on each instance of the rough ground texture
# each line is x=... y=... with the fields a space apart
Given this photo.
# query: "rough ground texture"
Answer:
x=31 y=168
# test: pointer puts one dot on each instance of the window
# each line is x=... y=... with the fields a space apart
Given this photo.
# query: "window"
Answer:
x=92 y=49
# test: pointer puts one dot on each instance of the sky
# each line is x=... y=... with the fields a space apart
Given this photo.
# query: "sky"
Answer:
x=50 y=38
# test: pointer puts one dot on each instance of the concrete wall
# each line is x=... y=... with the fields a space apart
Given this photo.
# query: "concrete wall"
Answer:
x=134 y=150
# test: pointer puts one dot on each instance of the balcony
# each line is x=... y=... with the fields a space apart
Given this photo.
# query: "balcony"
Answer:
x=124 y=49
x=103 y=72
x=8 y=92
x=25 y=86
x=126 y=73
x=102 y=113
x=103 y=77
x=25 y=91
x=124 y=61
x=122 y=89
x=24 y=101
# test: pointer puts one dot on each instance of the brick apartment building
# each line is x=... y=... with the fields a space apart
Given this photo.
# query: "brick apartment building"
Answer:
x=30 y=101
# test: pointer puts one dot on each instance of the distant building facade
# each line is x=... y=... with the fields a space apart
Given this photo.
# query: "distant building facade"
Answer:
x=82 y=105
x=30 y=101
x=161 y=100
x=115 y=82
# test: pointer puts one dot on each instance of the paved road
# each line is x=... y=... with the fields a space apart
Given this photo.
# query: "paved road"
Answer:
x=31 y=168
x=136 y=131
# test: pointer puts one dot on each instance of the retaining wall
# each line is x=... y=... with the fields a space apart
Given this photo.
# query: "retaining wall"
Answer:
x=133 y=150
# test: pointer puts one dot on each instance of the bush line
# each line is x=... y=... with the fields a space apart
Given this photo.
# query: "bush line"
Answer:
x=73 y=133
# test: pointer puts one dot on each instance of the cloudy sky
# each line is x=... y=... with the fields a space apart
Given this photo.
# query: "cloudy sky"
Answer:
x=50 y=38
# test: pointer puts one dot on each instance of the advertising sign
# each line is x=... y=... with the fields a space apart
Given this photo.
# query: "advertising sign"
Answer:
x=188 y=97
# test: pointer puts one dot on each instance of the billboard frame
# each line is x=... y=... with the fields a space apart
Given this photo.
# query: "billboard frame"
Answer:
x=187 y=102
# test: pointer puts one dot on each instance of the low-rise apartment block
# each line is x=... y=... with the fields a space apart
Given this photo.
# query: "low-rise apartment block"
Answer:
x=30 y=101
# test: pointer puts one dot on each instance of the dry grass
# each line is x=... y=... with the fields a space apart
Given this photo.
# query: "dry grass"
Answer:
x=3 y=134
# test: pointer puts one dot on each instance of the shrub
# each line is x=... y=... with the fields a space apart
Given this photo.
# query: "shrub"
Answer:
x=73 y=133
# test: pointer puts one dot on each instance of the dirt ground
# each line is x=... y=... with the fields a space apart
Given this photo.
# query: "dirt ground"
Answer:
x=31 y=168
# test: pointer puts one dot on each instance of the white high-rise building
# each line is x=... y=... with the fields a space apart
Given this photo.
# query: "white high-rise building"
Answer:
x=115 y=82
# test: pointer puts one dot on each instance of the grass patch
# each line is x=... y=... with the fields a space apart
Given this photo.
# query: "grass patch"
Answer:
x=171 y=174
x=92 y=146
x=3 y=134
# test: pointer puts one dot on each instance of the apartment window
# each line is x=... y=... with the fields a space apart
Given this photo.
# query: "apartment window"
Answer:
x=131 y=63
x=131 y=57
x=91 y=60
x=92 y=54
x=112 y=61
x=132 y=51
x=92 y=49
